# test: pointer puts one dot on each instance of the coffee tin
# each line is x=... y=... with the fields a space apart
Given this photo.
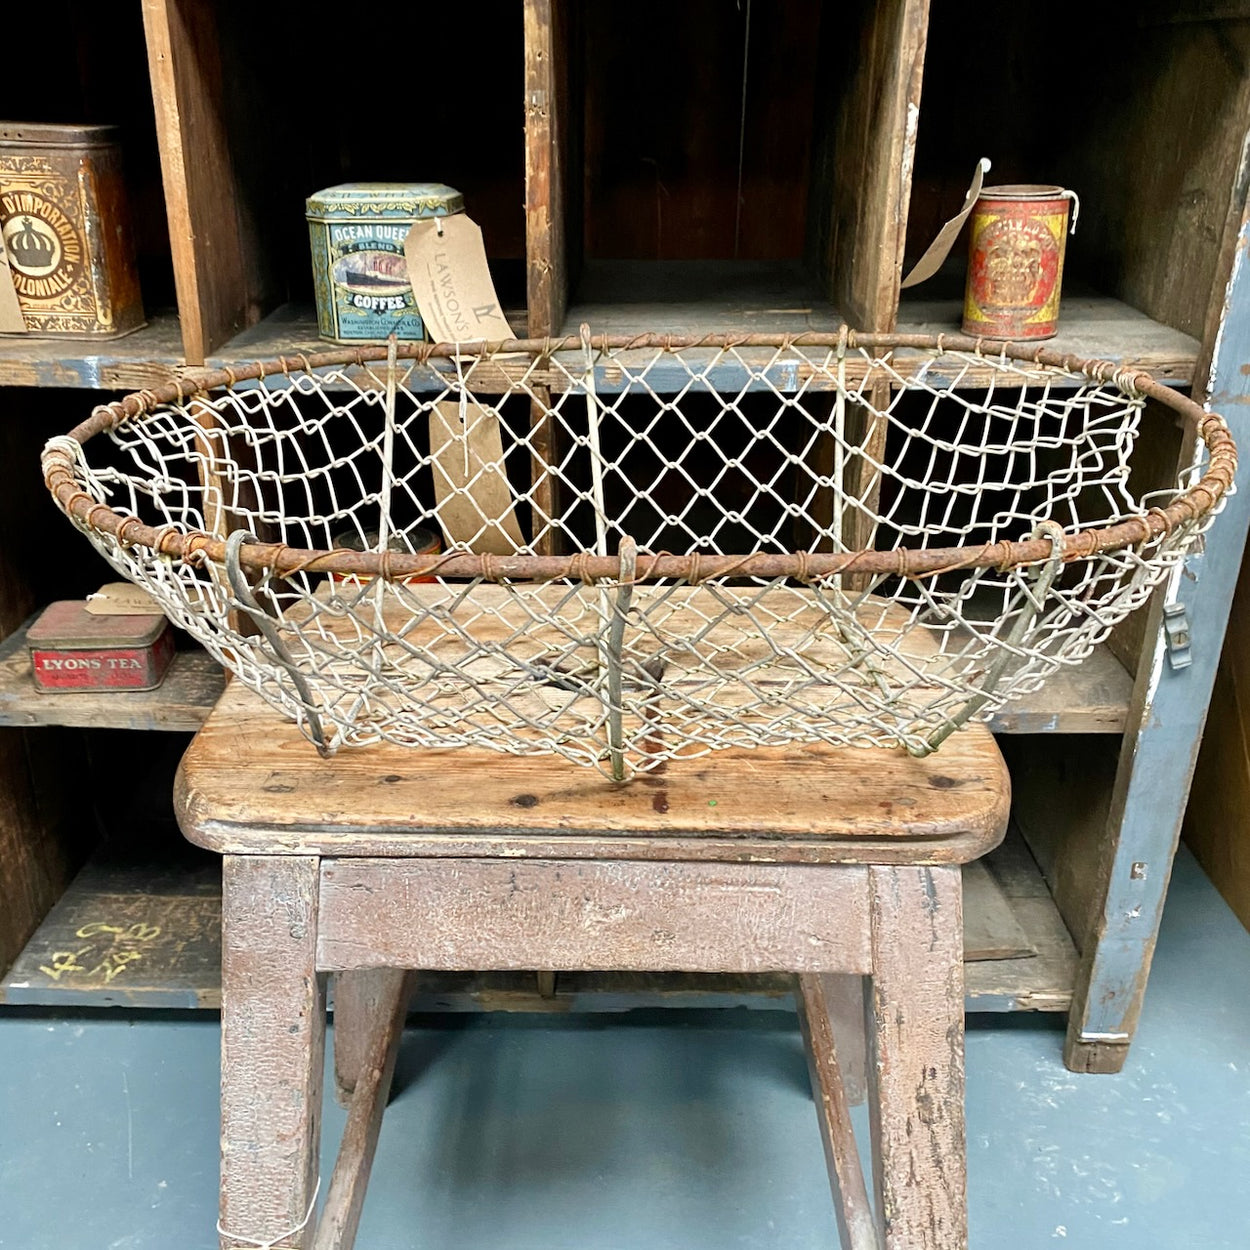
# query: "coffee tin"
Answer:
x=67 y=230
x=357 y=233
x=1015 y=262
x=73 y=649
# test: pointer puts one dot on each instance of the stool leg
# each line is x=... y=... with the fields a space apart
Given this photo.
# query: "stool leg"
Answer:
x=273 y=1022
x=916 y=1057
x=382 y=1031
x=358 y=998
x=856 y=1223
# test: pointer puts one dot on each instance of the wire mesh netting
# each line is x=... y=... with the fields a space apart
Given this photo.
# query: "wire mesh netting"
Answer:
x=624 y=552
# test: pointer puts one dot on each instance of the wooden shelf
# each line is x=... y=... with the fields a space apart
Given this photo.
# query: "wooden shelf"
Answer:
x=143 y=934
x=713 y=297
x=127 y=933
x=180 y=703
x=616 y=297
x=1091 y=327
x=148 y=357
x=1092 y=697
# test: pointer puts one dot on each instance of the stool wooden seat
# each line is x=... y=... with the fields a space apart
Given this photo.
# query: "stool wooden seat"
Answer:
x=812 y=860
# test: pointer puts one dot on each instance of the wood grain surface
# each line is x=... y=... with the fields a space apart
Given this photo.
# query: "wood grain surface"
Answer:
x=916 y=1059
x=496 y=915
x=251 y=781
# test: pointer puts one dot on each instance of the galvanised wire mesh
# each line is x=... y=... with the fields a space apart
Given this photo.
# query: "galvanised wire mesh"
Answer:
x=650 y=547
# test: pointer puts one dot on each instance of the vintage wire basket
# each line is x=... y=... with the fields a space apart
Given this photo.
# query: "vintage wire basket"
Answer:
x=653 y=546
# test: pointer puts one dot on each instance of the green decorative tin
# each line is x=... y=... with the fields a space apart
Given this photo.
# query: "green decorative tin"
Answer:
x=357 y=232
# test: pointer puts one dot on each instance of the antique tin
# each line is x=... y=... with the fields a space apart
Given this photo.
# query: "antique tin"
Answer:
x=357 y=232
x=1015 y=262
x=73 y=649
x=419 y=542
x=67 y=230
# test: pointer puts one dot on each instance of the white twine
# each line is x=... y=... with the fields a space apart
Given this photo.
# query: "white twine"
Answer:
x=272 y=1243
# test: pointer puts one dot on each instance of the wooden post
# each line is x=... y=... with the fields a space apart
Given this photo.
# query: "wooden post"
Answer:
x=212 y=272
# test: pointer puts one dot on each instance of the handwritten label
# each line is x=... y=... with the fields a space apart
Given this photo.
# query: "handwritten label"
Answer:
x=122 y=599
x=451 y=281
x=11 y=319
x=104 y=952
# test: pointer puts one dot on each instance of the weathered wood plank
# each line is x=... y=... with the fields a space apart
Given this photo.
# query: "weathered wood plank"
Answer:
x=126 y=933
x=864 y=182
x=1043 y=981
x=991 y=930
x=180 y=703
x=207 y=236
x=149 y=357
x=916 y=1059
x=808 y=802
x=545 y=66
x=611 y=916
x=272 y=1051
x=708 y=297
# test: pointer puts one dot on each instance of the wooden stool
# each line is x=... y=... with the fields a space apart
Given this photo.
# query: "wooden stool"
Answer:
x=809 y=859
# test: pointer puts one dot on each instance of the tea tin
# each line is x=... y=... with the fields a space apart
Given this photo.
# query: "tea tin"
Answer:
x=73 y=649
x=67 y=230
x=357 y=233
x=1015 y=262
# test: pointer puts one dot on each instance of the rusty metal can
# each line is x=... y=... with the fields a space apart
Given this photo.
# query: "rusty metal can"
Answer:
x=73 y=649
x=1015 y=262
x=67 y=230
x=418 y=541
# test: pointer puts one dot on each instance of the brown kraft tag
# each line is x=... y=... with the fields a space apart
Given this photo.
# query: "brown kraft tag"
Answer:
x=451 y=281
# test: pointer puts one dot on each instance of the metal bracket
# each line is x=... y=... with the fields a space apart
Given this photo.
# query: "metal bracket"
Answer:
x=1176 y=635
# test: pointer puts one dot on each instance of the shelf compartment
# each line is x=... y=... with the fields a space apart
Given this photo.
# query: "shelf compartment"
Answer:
x=180 y=703
x=127 y=933
x=644 y=149
x=137 y=933
x=1151 y=144
x=246 y=136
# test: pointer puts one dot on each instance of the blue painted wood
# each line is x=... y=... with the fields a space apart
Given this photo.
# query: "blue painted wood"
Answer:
x=1161 y=748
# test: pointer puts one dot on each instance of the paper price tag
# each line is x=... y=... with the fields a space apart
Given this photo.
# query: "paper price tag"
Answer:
x=451 y=281
x=11 y=319
x=475 y=500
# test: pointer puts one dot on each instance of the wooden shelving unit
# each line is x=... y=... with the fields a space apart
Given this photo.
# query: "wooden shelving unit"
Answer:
x=627 y=179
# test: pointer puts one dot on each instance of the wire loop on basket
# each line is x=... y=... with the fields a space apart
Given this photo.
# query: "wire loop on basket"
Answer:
x=655 y=546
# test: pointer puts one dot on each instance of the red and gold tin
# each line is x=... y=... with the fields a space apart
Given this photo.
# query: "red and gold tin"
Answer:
x=1015 y=262
x=73 y=649
x=67 y=231
x=419 y=542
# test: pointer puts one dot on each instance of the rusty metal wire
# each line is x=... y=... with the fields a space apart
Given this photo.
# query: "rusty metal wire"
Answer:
x=654 y=547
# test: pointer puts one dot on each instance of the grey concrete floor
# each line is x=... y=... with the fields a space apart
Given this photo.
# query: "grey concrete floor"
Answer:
x=675 y=1129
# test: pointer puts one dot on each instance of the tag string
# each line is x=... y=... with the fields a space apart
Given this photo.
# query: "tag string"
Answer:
x=273 y=1241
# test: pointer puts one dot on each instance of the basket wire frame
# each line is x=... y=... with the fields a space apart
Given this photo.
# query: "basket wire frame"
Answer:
x=844 y=545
